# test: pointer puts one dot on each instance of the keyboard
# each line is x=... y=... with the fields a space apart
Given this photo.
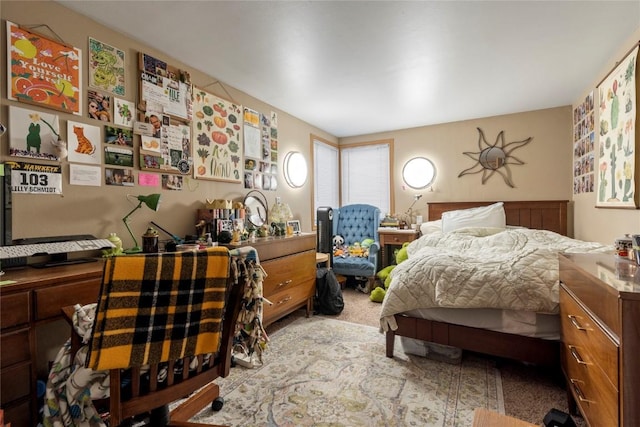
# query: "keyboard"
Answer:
x=50 y=246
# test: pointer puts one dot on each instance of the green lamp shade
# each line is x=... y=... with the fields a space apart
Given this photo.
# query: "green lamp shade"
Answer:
x=152 y=201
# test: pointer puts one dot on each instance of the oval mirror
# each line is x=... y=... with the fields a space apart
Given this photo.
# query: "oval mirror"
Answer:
x=255 y=204
x=419 y=173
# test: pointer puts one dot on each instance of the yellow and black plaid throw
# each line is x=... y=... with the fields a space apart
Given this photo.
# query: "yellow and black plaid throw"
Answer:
x=159 y=307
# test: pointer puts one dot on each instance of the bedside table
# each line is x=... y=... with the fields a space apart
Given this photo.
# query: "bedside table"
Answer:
x=392 y=237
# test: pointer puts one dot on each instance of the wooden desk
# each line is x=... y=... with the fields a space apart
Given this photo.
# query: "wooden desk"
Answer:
x=35 y=299
x=391 y=237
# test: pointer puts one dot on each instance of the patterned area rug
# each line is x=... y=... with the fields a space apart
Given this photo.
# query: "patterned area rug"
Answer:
x=324 y=372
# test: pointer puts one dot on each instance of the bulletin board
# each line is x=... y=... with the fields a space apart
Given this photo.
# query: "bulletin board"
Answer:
x=165 y=97
x=217 y=129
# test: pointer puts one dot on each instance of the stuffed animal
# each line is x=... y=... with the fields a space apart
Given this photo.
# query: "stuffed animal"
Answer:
x=339 y=249
x=377 y=295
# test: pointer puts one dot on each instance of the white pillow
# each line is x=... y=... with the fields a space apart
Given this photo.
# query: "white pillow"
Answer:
x=430 y=227
x=485 y=216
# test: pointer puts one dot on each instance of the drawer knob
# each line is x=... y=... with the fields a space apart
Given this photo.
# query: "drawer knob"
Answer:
x=284 y=300
x=579 y=394
x=576 y=355
x=575 y=323
x=285 y=283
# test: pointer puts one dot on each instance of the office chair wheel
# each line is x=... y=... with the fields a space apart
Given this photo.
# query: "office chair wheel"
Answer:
x=217 y=404
x=159 y=416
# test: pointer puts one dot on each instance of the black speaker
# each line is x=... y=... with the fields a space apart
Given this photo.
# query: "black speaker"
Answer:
x=324 y=229
x=557 y=418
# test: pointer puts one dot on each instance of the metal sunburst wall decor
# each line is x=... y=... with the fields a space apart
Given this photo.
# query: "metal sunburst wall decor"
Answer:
x=494 y=158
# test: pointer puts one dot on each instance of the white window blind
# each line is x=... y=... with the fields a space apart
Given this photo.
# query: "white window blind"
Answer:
x=326 y=191
x=365 y=176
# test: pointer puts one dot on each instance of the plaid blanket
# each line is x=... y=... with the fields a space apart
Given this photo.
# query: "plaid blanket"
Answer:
x=159 y=307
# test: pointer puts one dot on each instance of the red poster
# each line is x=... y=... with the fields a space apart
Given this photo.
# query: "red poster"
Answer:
x=43 y=71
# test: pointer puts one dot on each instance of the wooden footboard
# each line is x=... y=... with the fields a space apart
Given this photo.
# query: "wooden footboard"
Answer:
x=533 y=350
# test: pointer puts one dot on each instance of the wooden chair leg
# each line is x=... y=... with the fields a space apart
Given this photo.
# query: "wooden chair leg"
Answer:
x=195 y=403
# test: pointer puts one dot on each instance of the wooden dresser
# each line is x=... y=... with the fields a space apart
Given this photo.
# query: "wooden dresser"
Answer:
x=34 y=299
x=290 y=263
x=600 y=318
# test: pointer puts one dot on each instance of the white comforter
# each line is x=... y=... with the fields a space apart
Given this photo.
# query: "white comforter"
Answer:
x=515 y=269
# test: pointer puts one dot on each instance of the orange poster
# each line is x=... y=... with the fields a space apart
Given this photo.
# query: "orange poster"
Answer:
x=43 y=71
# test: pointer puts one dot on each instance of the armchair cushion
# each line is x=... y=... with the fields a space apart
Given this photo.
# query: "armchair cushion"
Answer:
x=356 y=223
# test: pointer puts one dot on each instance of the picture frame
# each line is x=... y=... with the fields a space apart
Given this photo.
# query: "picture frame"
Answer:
x=295 y=224
x=29 y=52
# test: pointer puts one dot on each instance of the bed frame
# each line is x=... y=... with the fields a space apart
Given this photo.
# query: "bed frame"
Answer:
x=546 y=215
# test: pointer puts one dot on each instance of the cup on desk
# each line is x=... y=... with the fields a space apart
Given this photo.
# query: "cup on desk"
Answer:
x=150 y=241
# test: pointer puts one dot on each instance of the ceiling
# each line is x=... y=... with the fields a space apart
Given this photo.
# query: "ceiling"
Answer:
x=359 y=67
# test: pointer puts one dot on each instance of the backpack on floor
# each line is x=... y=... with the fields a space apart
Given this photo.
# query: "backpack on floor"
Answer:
x=328 y=299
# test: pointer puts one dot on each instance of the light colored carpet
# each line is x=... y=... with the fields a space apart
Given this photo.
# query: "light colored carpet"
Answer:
x=324 y=372
x=529 y=391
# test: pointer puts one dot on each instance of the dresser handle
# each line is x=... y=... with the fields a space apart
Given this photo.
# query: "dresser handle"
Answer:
x=285 y=283
x=575 y=322
x=576 y=355
x=282 y=301
x=581 y=397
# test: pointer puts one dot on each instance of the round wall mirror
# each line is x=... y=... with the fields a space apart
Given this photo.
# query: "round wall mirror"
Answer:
x=255 y=204
x=419 y=173
x=492 y=158
x=295 y=169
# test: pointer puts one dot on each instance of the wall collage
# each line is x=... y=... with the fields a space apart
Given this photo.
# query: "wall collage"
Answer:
x=185 y=132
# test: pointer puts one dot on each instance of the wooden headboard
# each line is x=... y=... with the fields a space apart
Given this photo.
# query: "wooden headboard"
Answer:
x=539 y=214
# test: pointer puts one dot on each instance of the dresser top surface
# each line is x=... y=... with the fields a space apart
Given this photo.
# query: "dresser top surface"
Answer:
x=621 y=274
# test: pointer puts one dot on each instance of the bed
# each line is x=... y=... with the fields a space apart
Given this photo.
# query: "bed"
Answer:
x=538 y=347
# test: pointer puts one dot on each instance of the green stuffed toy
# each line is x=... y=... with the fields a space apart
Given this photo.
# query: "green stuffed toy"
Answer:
x=377 y=295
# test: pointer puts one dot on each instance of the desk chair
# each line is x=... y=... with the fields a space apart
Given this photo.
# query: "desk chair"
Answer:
x=172 y=313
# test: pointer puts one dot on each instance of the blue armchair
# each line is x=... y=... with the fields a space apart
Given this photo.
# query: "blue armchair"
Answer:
x=356 y=223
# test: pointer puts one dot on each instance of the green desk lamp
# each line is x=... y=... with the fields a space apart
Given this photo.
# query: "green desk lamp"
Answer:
x=153 y=202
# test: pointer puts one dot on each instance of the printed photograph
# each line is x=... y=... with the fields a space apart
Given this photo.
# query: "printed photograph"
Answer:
x=99 y=106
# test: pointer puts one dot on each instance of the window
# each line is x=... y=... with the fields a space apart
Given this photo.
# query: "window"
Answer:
x=326 y=189
x=366 y=175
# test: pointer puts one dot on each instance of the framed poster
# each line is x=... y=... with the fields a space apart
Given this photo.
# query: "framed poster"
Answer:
x=217 y=135
x=42 y=71
x=618 y=147
x=106 y=67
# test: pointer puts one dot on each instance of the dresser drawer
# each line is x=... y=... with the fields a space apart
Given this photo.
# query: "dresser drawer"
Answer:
x=16 y=310
x=601 y=301
x=289 y=271
x=16 y=382
x=15 y=348
x=593 y=392
x=288 y=300
x=50 y=300
x=586 y=342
